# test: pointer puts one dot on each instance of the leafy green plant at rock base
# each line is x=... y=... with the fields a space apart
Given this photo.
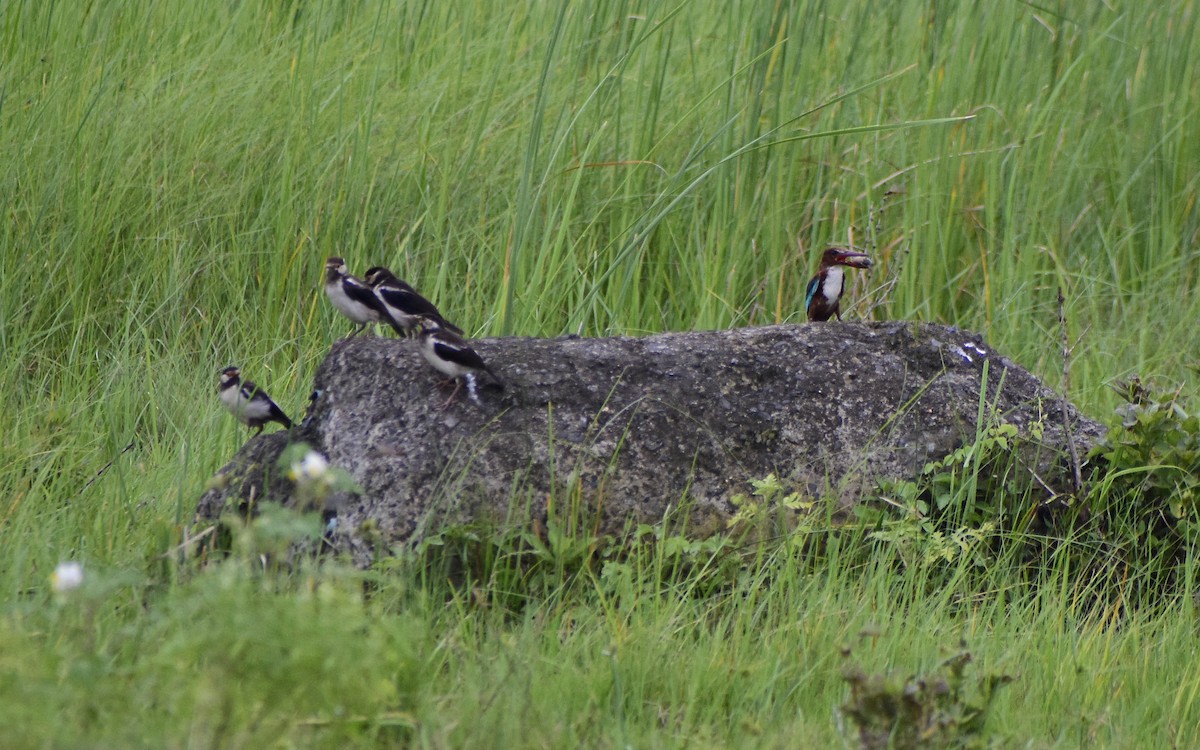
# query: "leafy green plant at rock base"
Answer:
x=957 y=506
x=769 y=504
x=1131 y=537
x=1147 y=502
x=1156 y=447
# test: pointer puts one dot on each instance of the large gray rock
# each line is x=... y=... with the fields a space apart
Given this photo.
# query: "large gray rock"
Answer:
x=633 y=427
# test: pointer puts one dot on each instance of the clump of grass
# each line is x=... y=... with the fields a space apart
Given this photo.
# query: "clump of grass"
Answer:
x=932 y=710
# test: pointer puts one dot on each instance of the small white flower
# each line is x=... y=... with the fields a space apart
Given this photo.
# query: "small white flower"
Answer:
x=67 y=577
x=311 y=468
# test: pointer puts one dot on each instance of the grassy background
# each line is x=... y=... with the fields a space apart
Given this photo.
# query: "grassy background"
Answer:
x=175 y=173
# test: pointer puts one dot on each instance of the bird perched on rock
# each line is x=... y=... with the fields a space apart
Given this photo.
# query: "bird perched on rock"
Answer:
x=824 y=293
x=249 y=403
x=452 y=357
x=352 y=297
x=402 y=303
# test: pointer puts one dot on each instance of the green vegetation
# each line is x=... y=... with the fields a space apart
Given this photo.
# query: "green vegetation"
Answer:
x=175 y=174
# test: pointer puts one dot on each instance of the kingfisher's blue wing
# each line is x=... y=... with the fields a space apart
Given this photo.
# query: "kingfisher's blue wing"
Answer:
x=810 y=292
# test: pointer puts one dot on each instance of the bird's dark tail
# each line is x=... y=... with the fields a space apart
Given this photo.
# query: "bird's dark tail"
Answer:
x=449 y=326
x=496 y=383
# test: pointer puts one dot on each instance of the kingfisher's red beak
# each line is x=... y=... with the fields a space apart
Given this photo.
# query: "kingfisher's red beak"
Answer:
x=854 y=259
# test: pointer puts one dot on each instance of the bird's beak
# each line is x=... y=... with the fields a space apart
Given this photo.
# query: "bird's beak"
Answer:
x=855 y=259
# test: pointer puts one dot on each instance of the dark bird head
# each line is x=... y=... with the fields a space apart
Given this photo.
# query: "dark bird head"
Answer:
x=377 y=275
x=840 y=256
x=335 y=269
x=426 y=324
x=230 y=374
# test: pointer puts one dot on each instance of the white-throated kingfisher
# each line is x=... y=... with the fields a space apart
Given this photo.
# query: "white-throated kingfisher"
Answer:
x=822 y=298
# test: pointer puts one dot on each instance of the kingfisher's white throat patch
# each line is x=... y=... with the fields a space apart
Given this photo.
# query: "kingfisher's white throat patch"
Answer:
x=831 y=289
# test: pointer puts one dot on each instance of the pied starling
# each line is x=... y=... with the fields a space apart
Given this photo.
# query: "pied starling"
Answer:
x=452 y=357
x=352 y=297
x=402 y=303
x=249 y=403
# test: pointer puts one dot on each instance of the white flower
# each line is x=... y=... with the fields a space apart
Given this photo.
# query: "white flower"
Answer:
x=67 y=577
x=311 y=468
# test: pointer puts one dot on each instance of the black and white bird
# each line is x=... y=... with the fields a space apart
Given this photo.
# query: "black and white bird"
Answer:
x=352 y=297
x=452 y=357
x=249 y=403
x=402 y=303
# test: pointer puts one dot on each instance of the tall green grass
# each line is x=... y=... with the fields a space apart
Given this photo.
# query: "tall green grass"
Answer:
x=174 y=175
